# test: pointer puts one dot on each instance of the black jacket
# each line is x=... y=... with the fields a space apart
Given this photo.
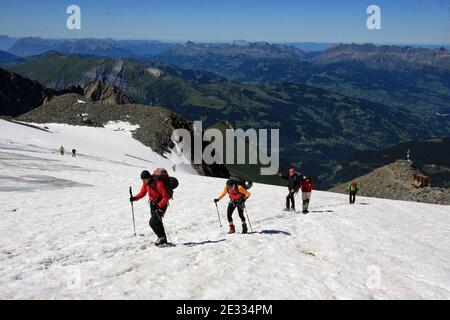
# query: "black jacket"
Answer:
x=294 y=182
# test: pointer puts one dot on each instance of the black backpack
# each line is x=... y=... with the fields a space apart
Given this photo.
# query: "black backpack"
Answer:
x=170 y=183
x=241 y=182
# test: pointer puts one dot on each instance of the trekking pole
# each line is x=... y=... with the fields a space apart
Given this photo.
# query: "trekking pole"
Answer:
x=160 y=219
x=249 y=223
x=132 y=213
x=218 y=215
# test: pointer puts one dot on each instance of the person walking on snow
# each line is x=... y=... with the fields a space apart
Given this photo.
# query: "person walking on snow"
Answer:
x=159 y=198
x=61 y=149
x=238 y=195
x=74 y=153
x=307 y=187
x=294 y=181
x=352 y=191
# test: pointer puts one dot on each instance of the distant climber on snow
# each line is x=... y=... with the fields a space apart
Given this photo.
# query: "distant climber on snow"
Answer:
x=61 y=150
x=294 y=181
x=307 y=187
x=74 y=153
x=238 y=194
x=352 y=191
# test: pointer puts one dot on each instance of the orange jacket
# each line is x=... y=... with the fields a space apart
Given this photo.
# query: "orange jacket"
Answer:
x=234 y=194
x=156 y=193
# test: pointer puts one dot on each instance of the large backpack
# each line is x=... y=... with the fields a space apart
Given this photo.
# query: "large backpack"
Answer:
x=241 y=182
x=170 y=183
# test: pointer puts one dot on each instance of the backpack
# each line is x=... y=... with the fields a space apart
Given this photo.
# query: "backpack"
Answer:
x=170 y=183
x=241 y=182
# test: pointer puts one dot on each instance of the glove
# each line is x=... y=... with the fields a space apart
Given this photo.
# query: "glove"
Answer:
x=216 y=200
x=132 y=199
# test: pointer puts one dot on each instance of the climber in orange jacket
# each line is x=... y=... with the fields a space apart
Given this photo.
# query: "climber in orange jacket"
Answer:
x=238 y=195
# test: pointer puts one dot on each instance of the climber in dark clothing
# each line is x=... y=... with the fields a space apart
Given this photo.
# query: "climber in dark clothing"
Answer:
x=294 y=181
x=353 y=189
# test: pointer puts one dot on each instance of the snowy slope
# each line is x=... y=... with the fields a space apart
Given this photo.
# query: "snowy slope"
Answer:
x=66 y=232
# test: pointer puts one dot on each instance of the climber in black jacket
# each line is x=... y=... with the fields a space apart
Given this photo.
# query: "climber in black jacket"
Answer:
x=294 y=182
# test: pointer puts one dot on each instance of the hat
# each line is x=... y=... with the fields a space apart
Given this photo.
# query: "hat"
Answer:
x=145 y=175
x=230 y=183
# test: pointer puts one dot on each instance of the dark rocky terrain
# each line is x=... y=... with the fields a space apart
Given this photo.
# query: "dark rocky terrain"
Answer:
x=18 y=94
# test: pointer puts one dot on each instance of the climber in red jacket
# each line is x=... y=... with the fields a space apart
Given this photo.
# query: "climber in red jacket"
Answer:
x=307 y=186
x=159 y=198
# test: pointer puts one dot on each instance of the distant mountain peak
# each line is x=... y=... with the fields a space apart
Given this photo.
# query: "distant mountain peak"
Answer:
x=240 y=47
x=386 y=56
x=242 y=43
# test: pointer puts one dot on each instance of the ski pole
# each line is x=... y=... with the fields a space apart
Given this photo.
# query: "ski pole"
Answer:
x=132 y=213
x=249 y=223
x=218 y=215
x=160 y=219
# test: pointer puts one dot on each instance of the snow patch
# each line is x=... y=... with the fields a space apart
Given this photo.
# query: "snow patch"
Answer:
x=157 y=73
x=122 y=126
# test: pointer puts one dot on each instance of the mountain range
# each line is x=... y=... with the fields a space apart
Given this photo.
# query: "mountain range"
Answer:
x=24 y=47
x=330 y=106
x=413 y=79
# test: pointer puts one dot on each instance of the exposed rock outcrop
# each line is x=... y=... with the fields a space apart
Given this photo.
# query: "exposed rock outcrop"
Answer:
x=393 y=181
x=106 y=93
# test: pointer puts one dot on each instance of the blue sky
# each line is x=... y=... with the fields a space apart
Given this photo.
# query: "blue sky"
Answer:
x=403 y=21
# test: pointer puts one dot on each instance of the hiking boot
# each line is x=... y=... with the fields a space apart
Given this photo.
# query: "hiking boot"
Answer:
x=161 y=241
x=286 y=209
x=304 y=211
x=244 y=228
x=292 y=209
x=232 y=229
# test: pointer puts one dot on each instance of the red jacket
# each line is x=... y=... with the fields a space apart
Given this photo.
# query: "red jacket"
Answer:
x=156 y=193
x=307 y=186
